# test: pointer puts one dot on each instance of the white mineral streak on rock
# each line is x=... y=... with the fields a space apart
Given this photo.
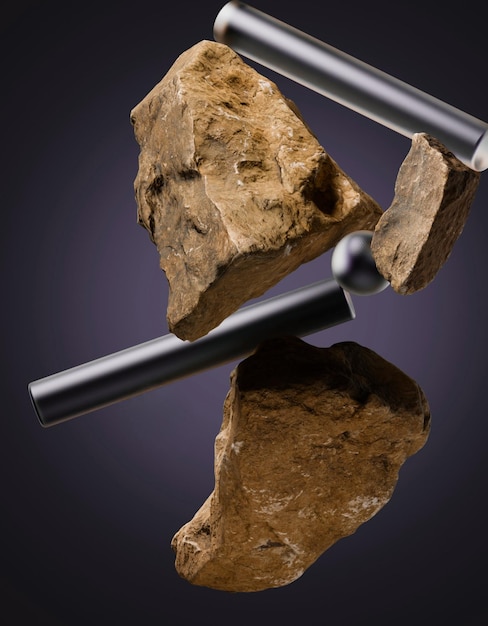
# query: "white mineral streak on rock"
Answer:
x=236 y=446
x=371 y=504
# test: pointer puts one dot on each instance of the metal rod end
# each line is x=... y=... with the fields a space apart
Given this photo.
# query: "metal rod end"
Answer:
x=480 y=157
x=223 y=20
x=37 y=409
x=350 y=304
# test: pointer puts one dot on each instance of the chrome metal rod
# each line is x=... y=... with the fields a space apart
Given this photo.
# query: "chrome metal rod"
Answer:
x=351 y=82
x=127 y=373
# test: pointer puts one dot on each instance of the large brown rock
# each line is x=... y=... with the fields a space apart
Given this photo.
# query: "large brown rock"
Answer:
x=415 y=236
x=234 y=189
x=310 y=448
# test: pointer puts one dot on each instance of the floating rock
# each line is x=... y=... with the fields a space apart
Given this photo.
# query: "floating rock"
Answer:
x=310 y=448
x=234 y=189
x=415 y=236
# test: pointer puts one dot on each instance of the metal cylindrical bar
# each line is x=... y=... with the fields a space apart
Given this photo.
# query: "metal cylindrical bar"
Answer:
x=351 y=82
x=127 y=373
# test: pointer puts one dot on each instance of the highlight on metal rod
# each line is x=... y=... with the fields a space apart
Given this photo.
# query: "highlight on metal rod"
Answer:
x=351 y=82
x=127 y=373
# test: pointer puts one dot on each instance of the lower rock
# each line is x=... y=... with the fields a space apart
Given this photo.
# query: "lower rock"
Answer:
x=415 y=235
x=310 y=448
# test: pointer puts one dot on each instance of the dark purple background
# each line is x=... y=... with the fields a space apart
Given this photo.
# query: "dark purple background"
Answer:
x=89 y=507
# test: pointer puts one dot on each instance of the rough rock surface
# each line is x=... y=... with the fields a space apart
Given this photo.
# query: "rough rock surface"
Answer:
x=310 y=448
x=234 y=189
x=415 y=236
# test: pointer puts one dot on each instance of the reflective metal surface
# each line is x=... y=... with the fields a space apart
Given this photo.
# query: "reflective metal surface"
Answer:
x=351 y=82
x=127 y=373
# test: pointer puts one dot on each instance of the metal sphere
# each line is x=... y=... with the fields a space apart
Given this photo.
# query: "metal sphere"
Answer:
x=353 y=265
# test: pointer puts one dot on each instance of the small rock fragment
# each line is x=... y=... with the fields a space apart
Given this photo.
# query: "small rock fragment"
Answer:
x=415 y=235
x=234 y=189
x=310 y=448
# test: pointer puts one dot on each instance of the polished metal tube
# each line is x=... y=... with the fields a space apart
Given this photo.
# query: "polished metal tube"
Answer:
x=351 y=82
x=127 y=373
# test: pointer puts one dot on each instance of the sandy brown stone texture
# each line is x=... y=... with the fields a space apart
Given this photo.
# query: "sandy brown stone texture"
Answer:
x=233 y=187
x=416 y=234
x=310 y=448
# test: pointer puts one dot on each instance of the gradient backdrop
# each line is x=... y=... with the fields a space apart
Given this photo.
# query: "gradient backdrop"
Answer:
x=89 y=507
